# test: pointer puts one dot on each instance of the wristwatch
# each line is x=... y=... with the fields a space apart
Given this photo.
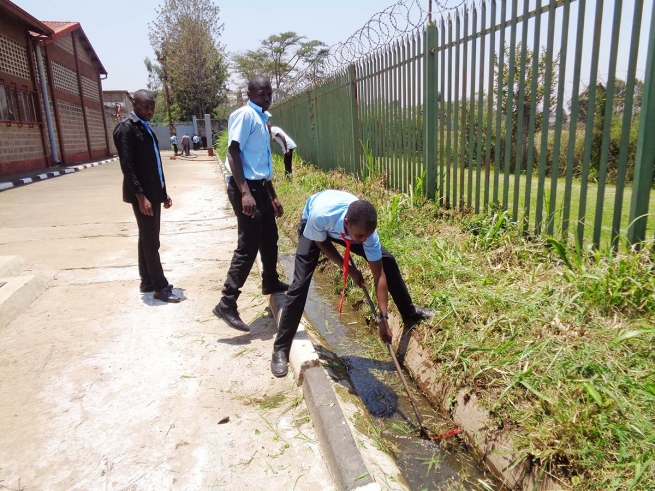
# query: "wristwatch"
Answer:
x=384 y=315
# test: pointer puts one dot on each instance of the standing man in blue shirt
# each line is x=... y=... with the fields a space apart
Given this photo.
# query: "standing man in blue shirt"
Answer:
x=144 y=187
x=337 y=217
x=249 y=170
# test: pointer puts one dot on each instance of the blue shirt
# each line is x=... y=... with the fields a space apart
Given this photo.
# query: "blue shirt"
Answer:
x=247 y=126
x=154 y=144
x=324 y=214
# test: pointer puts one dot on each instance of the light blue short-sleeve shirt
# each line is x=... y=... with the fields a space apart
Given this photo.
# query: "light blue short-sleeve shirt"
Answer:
x=247 y=125
x=324 y=214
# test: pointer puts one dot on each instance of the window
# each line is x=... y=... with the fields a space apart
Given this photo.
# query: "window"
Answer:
x=4 y=110
x=18 y=105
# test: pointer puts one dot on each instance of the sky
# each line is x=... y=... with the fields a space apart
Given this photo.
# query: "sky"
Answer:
x=118 y=30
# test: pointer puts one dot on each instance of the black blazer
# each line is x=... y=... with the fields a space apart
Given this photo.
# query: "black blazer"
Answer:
x=138 y=161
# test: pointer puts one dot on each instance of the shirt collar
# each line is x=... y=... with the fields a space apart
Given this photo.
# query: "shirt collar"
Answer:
x=264 y=114
x=135 y=118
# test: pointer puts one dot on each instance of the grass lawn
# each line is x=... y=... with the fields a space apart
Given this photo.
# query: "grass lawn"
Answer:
x=557 y=345
x=590 y=212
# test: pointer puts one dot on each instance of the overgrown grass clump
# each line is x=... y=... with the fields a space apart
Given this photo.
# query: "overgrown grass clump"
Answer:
x=557 y=343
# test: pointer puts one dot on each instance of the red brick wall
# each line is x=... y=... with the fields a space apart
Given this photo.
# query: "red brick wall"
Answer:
x=22 y=148
x=18 y=143
x=96 y=129
x=72 y=128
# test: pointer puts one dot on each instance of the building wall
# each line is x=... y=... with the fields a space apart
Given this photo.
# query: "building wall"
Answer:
x=26 y=147
x=70 y=100
x=111 y=98
x=21 y=145
x=72 y=128
x=96 y=129
x=111 y=124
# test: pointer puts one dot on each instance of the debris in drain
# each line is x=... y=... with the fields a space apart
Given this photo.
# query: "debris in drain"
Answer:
x=446 y=434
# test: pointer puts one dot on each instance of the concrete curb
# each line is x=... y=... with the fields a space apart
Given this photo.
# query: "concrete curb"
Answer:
x=347 y=467
x=16 y=293
x=11 y=266
x=349 y=472
x=4 y=186
x=302 y=356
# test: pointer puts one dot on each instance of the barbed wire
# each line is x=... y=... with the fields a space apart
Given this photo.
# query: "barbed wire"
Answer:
x=395 y=21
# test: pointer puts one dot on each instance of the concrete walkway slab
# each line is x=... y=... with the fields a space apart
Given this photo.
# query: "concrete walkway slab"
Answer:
x=102 y=387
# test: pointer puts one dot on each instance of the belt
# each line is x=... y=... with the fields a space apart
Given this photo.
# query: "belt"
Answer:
x=257 y=181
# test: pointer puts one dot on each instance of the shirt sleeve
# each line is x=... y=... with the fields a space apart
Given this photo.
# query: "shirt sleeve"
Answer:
x=239 y=128
x=372 y=247
x=315 y=229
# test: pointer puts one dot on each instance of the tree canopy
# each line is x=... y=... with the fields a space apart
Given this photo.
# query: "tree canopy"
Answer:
x=619 y=98
x=185 y=38
x=288 y=59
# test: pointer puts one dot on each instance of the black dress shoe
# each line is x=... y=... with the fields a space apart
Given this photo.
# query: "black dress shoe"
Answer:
x=278 y=287
x=279 y=364
x=419 y=314
x=231 y=317
x=167 y=295
x=149 y=288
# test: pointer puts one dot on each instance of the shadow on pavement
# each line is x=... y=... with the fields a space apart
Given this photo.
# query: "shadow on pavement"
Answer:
x=262 y=328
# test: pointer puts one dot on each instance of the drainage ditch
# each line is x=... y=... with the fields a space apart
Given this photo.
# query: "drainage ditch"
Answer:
x=443 y=464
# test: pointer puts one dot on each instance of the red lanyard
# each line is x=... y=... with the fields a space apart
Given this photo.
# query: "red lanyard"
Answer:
x=346 y=260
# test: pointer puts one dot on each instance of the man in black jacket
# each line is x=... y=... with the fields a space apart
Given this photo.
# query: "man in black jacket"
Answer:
x=144 y=188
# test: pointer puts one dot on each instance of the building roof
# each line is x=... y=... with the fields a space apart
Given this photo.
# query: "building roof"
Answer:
x=61 y=29
x=32 y=23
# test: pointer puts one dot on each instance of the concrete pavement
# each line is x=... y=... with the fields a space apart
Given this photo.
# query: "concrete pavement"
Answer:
x=103 y=388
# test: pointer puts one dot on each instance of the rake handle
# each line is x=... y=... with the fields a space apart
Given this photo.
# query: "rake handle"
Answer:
x=395 y=360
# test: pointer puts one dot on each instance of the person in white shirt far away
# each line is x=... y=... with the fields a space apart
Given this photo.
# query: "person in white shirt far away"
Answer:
x=287 y=144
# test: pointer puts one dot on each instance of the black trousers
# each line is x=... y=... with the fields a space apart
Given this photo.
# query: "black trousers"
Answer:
x=255 y=234
x=175 y=148
x=150 y=269
x=288 y=158
x=307 y=255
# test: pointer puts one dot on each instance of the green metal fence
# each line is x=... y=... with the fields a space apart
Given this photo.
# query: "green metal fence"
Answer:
x=514 y=104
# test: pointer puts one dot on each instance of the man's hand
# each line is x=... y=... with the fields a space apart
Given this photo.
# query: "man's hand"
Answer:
x=248 y=205
x=168 y=203
x=356 y=276
x=287 y=151
x=144 y=205
x=277 y=207
x=384 y=331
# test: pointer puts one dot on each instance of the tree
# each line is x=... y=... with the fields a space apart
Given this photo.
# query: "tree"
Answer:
x=523 y=107
x=619 y=99
x=288 y=59
x=185 y=38
x=155 y=76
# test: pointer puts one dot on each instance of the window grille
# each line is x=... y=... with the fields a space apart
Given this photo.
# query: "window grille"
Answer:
x=18 y=105
x=65 y=78
x=13 y=58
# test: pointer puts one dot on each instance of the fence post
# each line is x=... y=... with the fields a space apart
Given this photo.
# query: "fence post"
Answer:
x=645 y=160
x=352 y=76
x=430 y=106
